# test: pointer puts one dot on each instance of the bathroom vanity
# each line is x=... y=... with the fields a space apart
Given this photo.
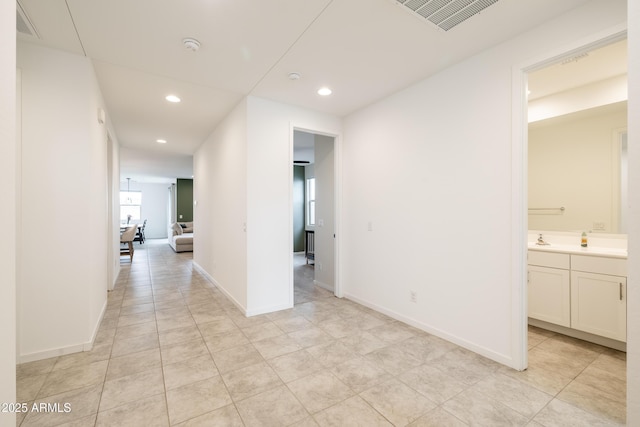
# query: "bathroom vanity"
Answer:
x=581 y=292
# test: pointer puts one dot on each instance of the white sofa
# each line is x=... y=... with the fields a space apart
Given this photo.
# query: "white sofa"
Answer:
x=181 y=236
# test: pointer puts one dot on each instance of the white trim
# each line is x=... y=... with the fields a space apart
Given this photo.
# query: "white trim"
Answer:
x=214 y=282
x=337 y=197
x=519 y=159
x=323 y=285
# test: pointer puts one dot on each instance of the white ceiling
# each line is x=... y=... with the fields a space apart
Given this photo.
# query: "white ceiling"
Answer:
x=363 y=49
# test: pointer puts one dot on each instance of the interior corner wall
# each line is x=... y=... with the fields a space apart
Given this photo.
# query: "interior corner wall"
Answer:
x=8 y=211
x=427 y=195
x=269 y=207
x=220 y=206
x=62 y=291
x=633 y=288
x=184 y=196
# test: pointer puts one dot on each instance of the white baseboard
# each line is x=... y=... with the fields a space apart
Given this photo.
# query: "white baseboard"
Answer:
x=490 y=354
x=210 y=278
x=63 y=351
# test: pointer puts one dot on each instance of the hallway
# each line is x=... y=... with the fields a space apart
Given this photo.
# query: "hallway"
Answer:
x=173 y=350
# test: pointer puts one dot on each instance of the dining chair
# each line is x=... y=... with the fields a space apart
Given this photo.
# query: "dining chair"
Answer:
x=126 y=238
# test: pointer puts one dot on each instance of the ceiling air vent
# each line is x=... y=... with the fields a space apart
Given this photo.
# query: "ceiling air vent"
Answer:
x=23 y=23
x=446 y=14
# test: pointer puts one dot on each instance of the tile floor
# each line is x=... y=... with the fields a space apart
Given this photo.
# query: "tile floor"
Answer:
x=172 y=350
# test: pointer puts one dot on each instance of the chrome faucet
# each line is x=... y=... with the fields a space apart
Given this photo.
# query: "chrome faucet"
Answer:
x=541 y=240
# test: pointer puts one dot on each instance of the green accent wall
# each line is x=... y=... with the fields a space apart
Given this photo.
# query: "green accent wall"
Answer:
x=184 y=200
x=298 y=208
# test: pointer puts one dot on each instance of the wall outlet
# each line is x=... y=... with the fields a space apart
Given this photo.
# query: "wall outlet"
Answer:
x=369 y=226
x=180 y=216
x=599 y=226
x=320 y=266
x=413 y=296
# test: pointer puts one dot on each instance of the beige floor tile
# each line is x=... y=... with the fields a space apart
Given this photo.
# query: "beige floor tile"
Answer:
x=425 y=347
x=189 y=371
x=262 y=331
x=127 y=389
x=170 y=313
x=64 y=380
x=225 y=340
x=122 y=346
x=134 y=319
x=393 y=332
x=397 y=402
x=226 y=416
x=136 y=330
x=319 y=391
x=293 y=324
x=276 y=346
x=81 y=403
x=518 y=396
x=351 y=412
x=465 y=366
x=311 y=337
x=99 y=353
x=339 y=328
x=561 y=414
x=195 y=399
x=331 y=354
x=133 y=363
x=293 y=366
x=393 y=360
x=595 y=401
x=557 y=363
x=275 y=407
x=27 y=388
x=432 y=383
x=360 y=374
x=363 y=342
x=236 y=358
x=216 y=327
x=251 y=380
x=151 y=411
x=179 y=335
x=135 y=309
x=475 y=408
x=438 y=418
x=175 y=322
x=209 y=312
x=39 y=367
x=547 y=381
x=183 y=351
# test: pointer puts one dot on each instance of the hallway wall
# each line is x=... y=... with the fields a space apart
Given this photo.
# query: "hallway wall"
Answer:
x=8 y=211
x=431 y=169
x=62 y=291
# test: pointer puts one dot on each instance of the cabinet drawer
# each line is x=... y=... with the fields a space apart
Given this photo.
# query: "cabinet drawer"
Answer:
x=592 y=264
x=549 y=259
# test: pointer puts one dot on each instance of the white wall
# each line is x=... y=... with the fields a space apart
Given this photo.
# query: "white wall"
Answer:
x=220 y=206
x=62 y=259
x=574 y=163
x=431 y=169
x=8 y=211
x=269 y=205
x=633 y=297
x=154 y=207
x=325 y=212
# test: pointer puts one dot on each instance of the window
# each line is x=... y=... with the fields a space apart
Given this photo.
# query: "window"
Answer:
x=130 y=202
x=311 y=201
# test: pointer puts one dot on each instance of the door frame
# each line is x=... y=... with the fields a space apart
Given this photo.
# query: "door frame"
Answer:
x=519 y=183
x=337 y=207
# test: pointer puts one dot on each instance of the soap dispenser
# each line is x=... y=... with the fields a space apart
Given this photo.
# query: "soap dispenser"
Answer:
x=583 y=241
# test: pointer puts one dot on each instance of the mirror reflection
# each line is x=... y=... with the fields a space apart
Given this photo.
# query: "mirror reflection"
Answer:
x=577 y=143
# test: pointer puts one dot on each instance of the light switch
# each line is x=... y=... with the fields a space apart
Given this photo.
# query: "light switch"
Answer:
x=369 y=226
x=321 y=222
x=180 y=216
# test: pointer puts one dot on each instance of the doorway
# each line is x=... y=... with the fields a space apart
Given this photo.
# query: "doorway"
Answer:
x=314 y=216
x=538 y=107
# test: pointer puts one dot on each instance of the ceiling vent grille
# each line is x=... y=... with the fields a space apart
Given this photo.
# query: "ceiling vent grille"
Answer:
x=23 y=23
x=446 y=14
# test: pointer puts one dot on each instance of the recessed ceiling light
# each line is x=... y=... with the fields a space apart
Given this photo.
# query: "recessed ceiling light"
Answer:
x=294 y=76
x=324 y=91
x=191 y=44
x=161 y=141
x=172 y=98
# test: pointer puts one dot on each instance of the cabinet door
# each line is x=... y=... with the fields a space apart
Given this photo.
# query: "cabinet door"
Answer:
x=599 y=304
x=549 y=295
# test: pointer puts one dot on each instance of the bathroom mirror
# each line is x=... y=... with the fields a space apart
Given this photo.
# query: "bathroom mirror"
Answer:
x=577 y=143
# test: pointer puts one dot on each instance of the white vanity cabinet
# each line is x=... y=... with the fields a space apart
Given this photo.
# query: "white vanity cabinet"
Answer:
x=578 y=293
x=549 y=289
x=599 y=301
